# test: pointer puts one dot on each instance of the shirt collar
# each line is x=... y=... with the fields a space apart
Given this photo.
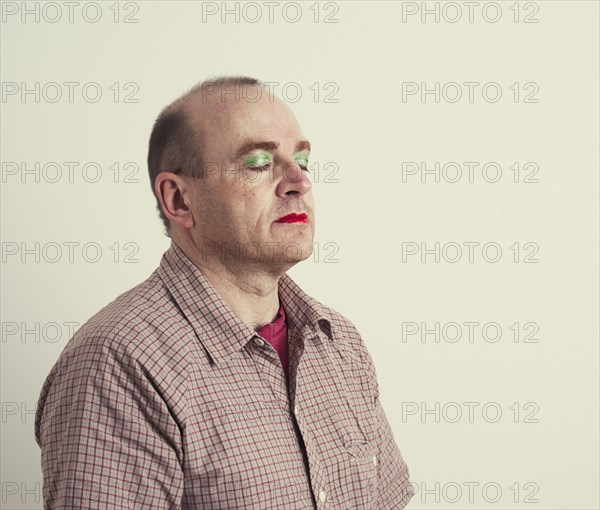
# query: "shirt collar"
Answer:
x=219 y=329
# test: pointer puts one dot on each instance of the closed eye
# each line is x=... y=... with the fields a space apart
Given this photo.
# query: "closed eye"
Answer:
x=259 y=161
x=302 y=163
x=263 y=168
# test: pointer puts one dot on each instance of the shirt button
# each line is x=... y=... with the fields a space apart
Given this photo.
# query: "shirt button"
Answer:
x=374 y=460
x=259 y=341
x=322 y=496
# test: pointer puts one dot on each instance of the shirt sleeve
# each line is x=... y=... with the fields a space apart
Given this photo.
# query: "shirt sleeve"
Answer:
x=107 y=437
x=395 y=489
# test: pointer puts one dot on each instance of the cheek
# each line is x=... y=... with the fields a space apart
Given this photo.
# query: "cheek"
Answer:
x=309 y=200
x=254 y=208
x=217 y=211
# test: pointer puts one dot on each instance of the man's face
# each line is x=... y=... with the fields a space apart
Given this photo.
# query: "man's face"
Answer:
x=255 y=159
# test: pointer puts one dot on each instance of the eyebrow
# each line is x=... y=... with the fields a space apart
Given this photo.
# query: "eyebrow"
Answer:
x=251 y=145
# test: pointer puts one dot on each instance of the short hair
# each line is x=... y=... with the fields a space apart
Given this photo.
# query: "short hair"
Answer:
x=175 y=144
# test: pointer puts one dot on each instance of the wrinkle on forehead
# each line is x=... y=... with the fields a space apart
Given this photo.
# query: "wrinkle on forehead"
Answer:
x=224 y=115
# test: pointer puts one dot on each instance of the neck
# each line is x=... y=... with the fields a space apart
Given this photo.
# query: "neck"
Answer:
x=252 y=293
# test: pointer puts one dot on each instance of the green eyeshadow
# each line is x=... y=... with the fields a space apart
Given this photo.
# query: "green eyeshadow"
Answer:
x=258 y=159
x=301 y=158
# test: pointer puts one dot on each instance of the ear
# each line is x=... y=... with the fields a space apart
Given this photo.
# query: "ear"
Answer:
x=173 y=192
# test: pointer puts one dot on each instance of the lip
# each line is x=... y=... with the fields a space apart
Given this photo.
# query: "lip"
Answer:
x=294 y=218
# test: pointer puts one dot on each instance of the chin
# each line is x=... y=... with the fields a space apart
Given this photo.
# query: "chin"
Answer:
x=296 y=250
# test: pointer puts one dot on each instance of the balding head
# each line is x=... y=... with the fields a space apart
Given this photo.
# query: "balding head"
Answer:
x=178 y=135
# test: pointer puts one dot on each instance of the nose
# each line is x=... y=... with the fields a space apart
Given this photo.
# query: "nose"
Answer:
x=294 y=180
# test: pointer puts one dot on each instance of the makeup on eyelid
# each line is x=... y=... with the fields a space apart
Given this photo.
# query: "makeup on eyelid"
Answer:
x=301 y=158
x=257 y=160
x=263 y=158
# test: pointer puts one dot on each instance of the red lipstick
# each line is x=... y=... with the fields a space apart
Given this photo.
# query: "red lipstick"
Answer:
x=294 y=218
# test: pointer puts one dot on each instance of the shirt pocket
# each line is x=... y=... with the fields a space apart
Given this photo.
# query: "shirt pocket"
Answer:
x=353 y=414
x=360 y=412
x=362 y=461
x=357 y=475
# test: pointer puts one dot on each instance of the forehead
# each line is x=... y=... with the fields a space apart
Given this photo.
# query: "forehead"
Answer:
x=227 y=121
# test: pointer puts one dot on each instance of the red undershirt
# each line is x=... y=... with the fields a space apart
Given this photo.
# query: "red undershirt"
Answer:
x=276 y=334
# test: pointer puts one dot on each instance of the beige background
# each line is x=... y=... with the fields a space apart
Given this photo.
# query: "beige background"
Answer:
x=548 y=459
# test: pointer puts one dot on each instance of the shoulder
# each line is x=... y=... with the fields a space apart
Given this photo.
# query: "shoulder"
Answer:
x=132 y=329
x=135 y=345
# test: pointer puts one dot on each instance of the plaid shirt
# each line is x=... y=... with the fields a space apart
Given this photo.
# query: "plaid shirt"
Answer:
x=165 y=399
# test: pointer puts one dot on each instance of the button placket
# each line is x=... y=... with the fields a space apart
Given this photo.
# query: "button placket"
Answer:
x=273 y=378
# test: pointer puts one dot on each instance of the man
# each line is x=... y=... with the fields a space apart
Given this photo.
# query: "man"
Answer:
x=218 y=383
